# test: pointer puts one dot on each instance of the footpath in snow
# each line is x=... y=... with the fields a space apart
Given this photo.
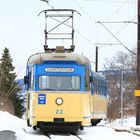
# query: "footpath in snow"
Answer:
x=127 y=125
x=18 y=128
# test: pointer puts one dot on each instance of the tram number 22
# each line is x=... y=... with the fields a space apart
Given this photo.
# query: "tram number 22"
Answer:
x=59 y=111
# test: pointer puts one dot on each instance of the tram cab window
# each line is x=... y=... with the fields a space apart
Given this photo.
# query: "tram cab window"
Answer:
x=63 y=83
x=31 y=79
x=43 y=82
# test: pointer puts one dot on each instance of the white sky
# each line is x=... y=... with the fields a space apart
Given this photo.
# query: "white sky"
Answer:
x=23 y=32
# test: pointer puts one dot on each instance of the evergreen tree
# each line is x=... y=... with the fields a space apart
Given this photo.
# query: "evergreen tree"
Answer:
x=18 y=101
x=7 y=74
x=8 y=87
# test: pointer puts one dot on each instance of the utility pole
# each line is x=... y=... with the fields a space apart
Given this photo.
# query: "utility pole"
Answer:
x=96 y=59
x=137 y=92
x=122 y=99
x=97 y=48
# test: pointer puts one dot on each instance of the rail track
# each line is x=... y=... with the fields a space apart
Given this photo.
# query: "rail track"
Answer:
x=51 y=135
x=98 y=132
x=76 y=135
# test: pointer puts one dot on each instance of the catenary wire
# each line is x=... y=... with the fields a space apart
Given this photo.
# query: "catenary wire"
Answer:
x=117 y=10
x=101 y=24
x=117 y=39
x=83 y=36
x=91 y=17
x=122 y=28
x=109 y=1
x=105 y=26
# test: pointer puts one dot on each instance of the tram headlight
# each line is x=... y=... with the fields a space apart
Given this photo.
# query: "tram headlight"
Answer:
x=59 y=101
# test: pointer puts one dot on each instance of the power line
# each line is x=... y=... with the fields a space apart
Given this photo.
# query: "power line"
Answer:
x=117 y=10
x=124 y=27
x=110 y=44
x=109 y=1
x=83 y=36
x=45 y=1
x=84 y=11
x=106 y=22
x=94 y=19
x=117 y=39
x=117 y=22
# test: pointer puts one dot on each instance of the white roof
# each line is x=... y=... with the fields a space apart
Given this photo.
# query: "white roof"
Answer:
x=39 y=58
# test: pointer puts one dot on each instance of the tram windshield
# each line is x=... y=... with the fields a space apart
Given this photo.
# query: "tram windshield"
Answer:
x=62 y=83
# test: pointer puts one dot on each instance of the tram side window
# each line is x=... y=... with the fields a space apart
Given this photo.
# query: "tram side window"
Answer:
x=31 y=77
x=102 y=88
x=105 y=89
x=95 y=84
x=99 y=88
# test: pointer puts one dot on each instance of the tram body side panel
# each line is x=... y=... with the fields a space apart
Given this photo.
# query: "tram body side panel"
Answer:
x=75 y=108
x=99 y=107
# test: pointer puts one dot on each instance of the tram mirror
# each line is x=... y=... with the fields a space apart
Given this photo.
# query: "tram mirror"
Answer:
x=91 y=79
x=26 y=80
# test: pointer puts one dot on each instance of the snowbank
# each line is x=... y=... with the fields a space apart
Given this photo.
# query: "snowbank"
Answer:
x=12 y=123
x=17 y=125
x=128 y=122
x=22 y=132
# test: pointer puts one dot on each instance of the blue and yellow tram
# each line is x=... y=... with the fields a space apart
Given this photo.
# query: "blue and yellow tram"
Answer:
x=62 y=92
x=98 y=98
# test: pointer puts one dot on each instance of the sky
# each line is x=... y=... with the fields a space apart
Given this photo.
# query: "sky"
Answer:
x=22 y=31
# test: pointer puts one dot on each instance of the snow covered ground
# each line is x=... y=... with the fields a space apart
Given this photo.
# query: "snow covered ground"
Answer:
x=128 y=122
x=100 y=132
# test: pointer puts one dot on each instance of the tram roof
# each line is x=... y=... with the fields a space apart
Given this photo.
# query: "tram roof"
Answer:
x=98 y=75
x=39 y=58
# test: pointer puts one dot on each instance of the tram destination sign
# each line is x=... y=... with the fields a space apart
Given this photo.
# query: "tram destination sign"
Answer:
x=59 y=69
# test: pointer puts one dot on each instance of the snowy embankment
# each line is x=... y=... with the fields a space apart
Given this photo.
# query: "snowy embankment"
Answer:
x=17 y=125
x=22 y=132
x=127 y=124
x=12 y=123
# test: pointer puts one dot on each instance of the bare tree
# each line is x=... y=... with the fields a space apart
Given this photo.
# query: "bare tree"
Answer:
x=125 y=62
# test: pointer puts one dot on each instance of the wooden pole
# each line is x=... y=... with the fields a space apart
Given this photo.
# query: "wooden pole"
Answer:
x=138 y=70
x=96 y=67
